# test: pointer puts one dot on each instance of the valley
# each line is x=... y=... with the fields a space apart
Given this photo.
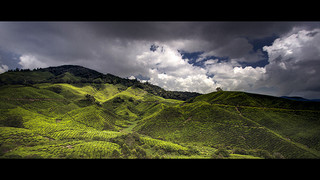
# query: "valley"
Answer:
x=63 y=113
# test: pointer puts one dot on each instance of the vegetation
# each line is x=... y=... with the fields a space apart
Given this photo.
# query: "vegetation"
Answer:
x=79 y=75
x=75 y=112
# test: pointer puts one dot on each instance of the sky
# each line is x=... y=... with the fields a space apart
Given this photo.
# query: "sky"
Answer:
x=275 y=58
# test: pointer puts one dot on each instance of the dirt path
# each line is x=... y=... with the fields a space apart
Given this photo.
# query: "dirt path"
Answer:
x=238 y=110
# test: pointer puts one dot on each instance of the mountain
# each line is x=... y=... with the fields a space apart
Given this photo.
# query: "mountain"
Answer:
x=300 y=98
x=74 y=74
x=255 y=100
x=75 y=112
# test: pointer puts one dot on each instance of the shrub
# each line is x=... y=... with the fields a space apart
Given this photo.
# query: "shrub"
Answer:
x=265 y=154
x=56 y=89
x=140 y=153
x=261 y=153
x=192 y=150
x=222 y=152
x=240 y=151
x=118 y=100
x=13 y=121
x=278 y=155
x=90 y=98
x=115 y=154
x=125 y=150
x=136 y=136
x=98 y=138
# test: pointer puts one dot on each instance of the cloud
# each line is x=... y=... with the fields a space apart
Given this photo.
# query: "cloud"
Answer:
x=294 y=63
x=3 y=68
x=167 y=69
x=123 y=49
x=231 y=76
x=131 y=77
x=193 y=83
x=99 y=41
x=238 y=49
x=30 y=62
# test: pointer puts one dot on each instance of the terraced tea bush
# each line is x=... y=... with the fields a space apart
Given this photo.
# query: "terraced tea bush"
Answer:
x=165 y=145
x=12 y=121
x=12 y=135
x=75 y=112
x=73 y=149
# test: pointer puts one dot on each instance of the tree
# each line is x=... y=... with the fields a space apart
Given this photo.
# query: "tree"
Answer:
x=98 y=81
x=219 y=89
x=90 y=98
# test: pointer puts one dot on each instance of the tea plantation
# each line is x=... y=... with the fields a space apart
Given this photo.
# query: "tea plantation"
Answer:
x=82 y=114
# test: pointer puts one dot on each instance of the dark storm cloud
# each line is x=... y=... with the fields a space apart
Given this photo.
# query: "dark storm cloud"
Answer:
x=150 y=31
x=60 y=40
x=212 y=31
x=125 y=49
x=294 y=63
x=67 y=41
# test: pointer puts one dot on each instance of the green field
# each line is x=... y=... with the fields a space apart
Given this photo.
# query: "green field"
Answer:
x=58 y=113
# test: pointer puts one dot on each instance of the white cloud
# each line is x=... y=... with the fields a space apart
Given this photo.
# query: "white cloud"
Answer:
x=231 y=76
x=293 y=58
x=30 y=62
x=211 y=61
x=193 y=83
x=294 y=63
x=131 y=77
x=167 y=69
x=3 y=68
x=292 y=70
x=294 y=48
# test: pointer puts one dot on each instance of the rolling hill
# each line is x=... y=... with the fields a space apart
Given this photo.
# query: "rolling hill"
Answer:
x=75 y=112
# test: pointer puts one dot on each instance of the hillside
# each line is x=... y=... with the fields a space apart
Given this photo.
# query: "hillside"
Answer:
x=249 y=126
x=237 y=98
x=78 y=75
x=75 y=112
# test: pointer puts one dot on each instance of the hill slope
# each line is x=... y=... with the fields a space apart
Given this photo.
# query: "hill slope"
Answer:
x=73 y=74
x=255 y=100
x=74 y=112
x=227 y=126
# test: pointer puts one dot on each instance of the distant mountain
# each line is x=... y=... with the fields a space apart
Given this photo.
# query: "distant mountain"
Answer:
x=74 y=74
x=238 y=98
x=299 y=98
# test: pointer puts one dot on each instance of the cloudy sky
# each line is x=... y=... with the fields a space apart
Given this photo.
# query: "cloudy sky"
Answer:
x=276 y=58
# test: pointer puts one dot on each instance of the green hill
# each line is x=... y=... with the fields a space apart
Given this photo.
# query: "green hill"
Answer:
x=77 y=75
x=223 y=126
x=237 y=98
x=75 y=112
